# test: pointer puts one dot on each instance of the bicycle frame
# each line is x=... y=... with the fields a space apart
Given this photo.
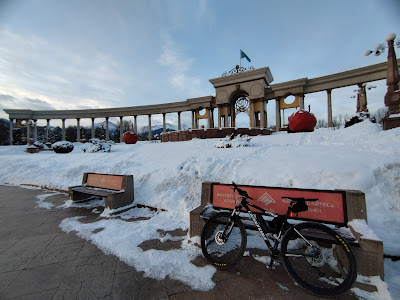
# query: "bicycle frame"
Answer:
x=257 y=220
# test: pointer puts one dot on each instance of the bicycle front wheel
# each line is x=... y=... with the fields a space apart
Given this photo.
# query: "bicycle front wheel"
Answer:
x=318 y=259
x=223 y=240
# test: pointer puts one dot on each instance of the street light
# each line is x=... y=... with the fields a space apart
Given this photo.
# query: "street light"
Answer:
x=392 y=97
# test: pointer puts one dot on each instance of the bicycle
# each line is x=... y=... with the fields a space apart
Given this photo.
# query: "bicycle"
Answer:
x=314 y=255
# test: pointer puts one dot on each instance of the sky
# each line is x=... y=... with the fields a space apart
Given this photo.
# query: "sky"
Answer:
x=83 y=54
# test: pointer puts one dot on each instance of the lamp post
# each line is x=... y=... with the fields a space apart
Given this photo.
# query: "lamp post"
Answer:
x=392 y=97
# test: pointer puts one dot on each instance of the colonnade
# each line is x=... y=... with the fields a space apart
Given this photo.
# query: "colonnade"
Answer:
x=225 y=119
x=30 y=122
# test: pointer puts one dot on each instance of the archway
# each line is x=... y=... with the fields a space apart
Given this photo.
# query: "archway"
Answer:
x=240 y=111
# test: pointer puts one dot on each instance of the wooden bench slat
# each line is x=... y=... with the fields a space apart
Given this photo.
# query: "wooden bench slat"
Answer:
x=93 y=191
x=111 y=182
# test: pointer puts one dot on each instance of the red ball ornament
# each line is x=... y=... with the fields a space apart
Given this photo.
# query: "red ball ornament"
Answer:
x=130 y=137
x=302 y=121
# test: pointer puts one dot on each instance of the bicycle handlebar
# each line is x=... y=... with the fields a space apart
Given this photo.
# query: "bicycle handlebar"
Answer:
x=240 y=191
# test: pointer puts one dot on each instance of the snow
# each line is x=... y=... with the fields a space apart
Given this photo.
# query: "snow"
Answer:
x=362 y=227
x=168 y=176
x=42 y=203
x=381 y=294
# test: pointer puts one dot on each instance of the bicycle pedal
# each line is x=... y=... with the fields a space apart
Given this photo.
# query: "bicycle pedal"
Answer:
x=269 y=267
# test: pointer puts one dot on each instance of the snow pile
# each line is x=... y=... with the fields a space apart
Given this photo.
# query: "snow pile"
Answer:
x=123 y=239
x=357 y=118
x=168 y=176
x=381 y=294
x=362 y=227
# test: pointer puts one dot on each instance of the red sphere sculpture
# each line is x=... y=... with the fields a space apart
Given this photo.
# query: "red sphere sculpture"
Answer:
x=302 y=121
x=129 y=137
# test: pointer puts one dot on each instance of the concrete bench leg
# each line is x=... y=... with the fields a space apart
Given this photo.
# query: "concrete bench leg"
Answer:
x=196 y=223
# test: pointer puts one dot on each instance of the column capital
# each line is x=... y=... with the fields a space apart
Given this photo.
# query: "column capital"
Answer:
x=329 y=91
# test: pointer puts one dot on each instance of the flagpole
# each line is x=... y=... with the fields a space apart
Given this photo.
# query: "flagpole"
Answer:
x=240 y=58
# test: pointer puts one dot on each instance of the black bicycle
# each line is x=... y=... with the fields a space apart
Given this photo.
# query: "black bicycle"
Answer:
x=314 y=255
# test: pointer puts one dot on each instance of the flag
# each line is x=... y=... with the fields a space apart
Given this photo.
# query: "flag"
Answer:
x=243 y=55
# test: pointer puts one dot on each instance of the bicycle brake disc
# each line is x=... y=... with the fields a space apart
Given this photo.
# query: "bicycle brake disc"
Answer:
x=315 y=258
x=218 y=237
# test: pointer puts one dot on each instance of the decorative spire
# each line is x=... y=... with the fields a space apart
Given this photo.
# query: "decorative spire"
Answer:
x=237 y=70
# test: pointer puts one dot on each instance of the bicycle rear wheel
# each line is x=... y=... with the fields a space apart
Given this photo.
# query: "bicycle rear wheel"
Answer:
x=223 y=240
x=318 y=259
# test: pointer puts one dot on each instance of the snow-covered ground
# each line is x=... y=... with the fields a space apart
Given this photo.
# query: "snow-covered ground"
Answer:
x=168 y=176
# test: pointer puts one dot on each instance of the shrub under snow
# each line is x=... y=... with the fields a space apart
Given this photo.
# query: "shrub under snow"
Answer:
x=96 y=145
x=63 y=147
x=232 y=141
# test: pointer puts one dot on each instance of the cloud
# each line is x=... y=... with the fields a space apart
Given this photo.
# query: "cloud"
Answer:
x=7 y=98
x=39 y=104
x=33 y=68
x=179 y=67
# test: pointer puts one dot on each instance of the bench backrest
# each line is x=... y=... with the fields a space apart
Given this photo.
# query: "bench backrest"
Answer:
x=331 y=207
x=105 y=181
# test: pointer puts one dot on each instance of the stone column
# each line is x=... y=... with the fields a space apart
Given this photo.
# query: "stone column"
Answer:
x=107 y=130
x=179 y=120
x=121 y=130
x=47 y=130
x=209 y=119
x=11 y=131
x=362 y=97
x=34 y=130
x=93 y=129
x=301 y=100
x=252 y=119
x=212 y=118
x=28 y=132
x=63 y=130
x=329 y=92
x=392 y=97
x=78 y=130
x=193 y=119
x=219 y=116
x=266 y=113
x=262 y=114
x=226 y=121
x=135 y=124
x=278 y=114
x=233 y=116
x=150 y=135
x=164 y=126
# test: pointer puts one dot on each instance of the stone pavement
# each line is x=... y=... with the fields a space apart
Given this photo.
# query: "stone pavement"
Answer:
x=39 y=261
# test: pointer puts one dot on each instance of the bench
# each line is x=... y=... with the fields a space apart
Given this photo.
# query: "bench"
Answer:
x=337 y=207
x=116 y=189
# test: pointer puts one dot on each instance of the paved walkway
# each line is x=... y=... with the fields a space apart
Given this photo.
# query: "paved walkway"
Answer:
x=39 y=261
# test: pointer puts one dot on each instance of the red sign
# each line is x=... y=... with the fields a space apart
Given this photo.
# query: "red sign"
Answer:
x=328 y=207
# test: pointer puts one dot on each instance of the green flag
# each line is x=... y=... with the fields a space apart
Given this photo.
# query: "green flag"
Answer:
x=243 y=55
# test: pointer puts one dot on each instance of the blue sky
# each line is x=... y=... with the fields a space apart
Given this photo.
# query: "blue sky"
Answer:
x=97 y=54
